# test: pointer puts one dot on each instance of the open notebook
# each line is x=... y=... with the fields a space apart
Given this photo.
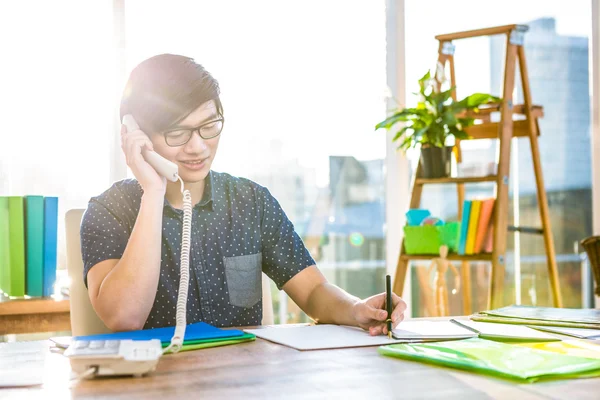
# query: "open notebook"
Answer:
x=320 y=337
x=431 y=330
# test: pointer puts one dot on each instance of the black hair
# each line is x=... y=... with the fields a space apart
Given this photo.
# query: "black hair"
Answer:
x=164 y=89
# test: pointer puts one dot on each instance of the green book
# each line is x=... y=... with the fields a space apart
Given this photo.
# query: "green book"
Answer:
x=4 y=246
x=16 y=234
x=34 y=245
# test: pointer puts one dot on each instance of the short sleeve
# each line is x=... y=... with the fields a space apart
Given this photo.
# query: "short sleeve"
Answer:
x=103 y=236
x=284 y=252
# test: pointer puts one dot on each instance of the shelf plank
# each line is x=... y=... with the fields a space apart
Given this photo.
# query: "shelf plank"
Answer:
x=489 y=130
x=33 y=315
x=485 y=113
x=452 y=257
x=21 y=306
x=497 y=30
x=472 y=179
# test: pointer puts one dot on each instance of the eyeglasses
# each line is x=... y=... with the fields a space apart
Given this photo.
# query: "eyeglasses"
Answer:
x=208 y=130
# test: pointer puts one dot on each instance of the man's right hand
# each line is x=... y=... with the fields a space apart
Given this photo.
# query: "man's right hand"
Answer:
x=132 y=144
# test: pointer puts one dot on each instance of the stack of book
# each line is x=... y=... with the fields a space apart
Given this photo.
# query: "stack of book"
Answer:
x=28 y=244
x=476 y=227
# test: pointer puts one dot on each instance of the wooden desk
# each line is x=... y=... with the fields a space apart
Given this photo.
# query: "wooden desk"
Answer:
x=34 y=315
x=263 y=370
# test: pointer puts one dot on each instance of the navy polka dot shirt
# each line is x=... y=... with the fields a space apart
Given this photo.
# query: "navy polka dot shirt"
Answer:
x=238 y=231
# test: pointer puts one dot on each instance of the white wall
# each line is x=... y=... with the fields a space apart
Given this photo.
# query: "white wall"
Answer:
x=396 y=165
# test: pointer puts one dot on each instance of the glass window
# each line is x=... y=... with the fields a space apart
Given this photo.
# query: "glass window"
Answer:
x=58 y=96
x=557 y=54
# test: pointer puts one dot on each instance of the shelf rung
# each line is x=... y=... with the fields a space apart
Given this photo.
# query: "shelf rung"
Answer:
x=472 y=179
x=486 y=111
x=490 y=130
x=452 y=256
x=526 y=229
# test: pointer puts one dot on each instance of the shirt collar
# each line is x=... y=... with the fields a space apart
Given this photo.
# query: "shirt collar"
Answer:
x=207 y=195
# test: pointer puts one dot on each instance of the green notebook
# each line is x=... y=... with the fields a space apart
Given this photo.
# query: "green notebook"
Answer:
x=16 y=233
x=4 y=246
x=522 y=321
x=34 y=245
x=499 y=359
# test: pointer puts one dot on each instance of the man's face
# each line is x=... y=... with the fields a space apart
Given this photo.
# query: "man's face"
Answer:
x=194 y=158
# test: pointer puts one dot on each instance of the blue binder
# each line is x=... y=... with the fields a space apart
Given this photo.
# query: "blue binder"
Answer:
x=50 y=244
x=464 y=225
x=197 y=331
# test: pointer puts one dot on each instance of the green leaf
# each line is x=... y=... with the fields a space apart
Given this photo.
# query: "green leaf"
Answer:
x=449 y=118
x=407 y=114
x=406 y=143
x=462 y=135
x=466 y=121
x=419 y=133
x=440 y=98
x=401 y=132
x=424 y=80
x=476 y=99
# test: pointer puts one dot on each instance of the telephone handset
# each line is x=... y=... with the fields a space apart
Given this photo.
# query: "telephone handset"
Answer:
x=169 y=170
x=163 y=166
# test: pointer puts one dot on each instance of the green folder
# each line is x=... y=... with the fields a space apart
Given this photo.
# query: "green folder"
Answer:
x=4 y=246
x=498 y=359
x=16 y=233
x=34 y=239
x=206 y=343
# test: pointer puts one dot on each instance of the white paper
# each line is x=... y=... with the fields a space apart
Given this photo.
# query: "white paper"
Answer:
x=508 y=331
x=22 y=363
x=577 y=332
x=431 y=330
x=318 y=337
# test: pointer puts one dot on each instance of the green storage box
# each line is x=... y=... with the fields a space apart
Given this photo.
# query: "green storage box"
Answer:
x=428 y=239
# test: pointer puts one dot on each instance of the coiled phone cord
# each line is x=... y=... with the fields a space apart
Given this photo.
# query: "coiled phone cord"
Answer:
x=177 y=339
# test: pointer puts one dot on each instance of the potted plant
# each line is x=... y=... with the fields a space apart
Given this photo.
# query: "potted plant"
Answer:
x=436 y=118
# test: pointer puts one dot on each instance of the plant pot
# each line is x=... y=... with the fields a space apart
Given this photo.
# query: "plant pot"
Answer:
x=435 y=161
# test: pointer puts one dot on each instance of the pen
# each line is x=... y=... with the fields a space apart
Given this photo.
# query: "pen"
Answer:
x=388 y=304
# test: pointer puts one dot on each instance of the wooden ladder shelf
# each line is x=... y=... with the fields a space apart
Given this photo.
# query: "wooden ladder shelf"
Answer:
x=503 y=131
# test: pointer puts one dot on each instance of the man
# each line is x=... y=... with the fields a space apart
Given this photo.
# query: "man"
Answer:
x=131 y=233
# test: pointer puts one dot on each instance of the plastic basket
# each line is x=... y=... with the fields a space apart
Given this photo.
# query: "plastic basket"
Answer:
x=427 y=239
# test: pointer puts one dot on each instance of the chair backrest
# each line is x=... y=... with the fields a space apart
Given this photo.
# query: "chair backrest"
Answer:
x=84 y=320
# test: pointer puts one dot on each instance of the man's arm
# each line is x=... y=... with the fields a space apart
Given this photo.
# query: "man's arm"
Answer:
x=329 y=304
x=122 y=291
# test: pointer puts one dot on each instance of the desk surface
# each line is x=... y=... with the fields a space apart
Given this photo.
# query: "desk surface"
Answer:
x=265 y=370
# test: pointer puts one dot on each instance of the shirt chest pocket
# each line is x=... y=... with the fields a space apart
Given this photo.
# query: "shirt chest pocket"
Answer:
x=243 y=275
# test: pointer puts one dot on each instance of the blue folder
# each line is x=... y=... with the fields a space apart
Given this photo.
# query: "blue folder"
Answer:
x=50 y=244
x=197 y=331
x=464 y=225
